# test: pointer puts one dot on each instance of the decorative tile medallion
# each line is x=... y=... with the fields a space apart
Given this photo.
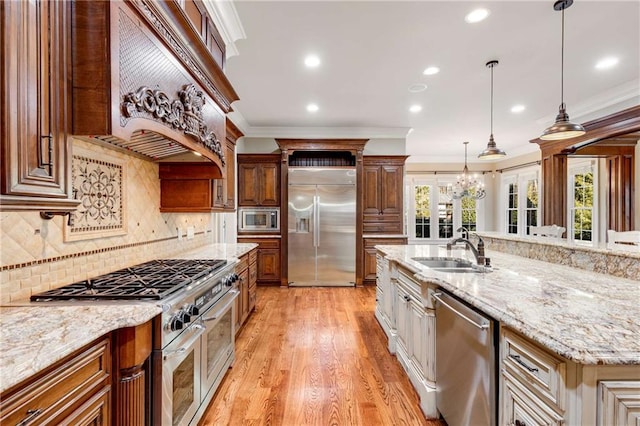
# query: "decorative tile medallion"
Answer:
x=99 y=185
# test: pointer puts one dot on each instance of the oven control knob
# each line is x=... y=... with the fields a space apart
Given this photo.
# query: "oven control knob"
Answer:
x=185 y=316
x=175 y=323
x=192 y=310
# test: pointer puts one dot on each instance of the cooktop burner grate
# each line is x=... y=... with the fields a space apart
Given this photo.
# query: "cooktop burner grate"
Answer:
x=152 y=280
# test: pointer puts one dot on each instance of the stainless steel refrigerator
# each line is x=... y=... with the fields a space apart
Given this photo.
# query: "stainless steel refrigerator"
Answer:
x=322 y=227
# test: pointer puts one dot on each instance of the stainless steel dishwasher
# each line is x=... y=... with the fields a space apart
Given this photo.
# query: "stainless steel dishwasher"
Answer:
x=465 y=363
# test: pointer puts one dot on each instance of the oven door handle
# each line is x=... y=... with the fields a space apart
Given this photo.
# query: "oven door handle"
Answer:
x=182 y=349
x=233 y=293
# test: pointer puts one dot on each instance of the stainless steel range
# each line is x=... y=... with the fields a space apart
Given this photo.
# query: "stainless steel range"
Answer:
x=194 y=339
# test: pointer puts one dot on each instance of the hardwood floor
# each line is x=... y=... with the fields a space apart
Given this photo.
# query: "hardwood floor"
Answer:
x=314 y=356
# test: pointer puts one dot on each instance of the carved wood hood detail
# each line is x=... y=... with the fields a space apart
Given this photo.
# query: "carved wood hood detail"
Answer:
x=184 y=114
x=141 y=82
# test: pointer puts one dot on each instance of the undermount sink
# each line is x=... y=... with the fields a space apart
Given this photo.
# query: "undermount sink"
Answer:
x=449 y=264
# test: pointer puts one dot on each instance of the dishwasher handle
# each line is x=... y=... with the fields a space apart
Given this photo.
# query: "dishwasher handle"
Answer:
x=436 y=296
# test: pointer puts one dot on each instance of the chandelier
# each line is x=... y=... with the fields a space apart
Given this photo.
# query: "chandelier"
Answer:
x=467 y=185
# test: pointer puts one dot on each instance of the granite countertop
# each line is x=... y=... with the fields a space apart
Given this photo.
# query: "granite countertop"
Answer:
x=586 y=317
x=34 y=336
x=560 y=242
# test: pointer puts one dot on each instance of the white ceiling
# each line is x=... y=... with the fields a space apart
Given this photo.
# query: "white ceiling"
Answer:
x=372 y=51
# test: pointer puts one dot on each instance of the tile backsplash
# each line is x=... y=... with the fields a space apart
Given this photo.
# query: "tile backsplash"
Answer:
x=34 y=256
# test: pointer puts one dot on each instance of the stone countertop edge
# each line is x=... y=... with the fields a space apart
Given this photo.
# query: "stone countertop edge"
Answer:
x=558 y=242
x=35 y=336
x=586 y=317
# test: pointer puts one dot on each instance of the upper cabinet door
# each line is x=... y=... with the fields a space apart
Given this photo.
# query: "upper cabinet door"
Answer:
x=270 y=185
x=248 y=184
x=36 y=156
x=372 y=205
x=259 y=180
x=391 y=177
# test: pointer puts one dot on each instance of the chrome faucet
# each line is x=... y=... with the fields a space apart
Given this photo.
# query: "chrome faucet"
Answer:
x=478 y=252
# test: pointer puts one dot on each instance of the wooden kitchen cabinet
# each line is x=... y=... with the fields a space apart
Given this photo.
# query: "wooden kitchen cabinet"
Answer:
x=370 y=260
x=253 y=279
x=383 y=194
x=190 y=187
x=267 y=259
x=233 y=134
x=35 y=141
x=76 y=390
x=259 y=180
x=246 y=300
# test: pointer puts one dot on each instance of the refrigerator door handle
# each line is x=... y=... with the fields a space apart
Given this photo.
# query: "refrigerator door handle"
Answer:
x=316 y=221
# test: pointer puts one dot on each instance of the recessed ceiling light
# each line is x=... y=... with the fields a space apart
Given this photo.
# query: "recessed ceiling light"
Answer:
x=476 y=15
x=417 y=88
x=517 y=108
x=607 y=63
x=312 y=61
x=312 y=108
x=415 y=108
x=431 y=71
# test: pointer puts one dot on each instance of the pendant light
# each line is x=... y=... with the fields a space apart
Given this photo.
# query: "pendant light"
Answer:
x=492 y=152
x=467 y=185
x=563 y=128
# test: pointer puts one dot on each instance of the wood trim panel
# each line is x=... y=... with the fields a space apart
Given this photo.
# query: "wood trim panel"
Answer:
x=554 y=167
x=132 y=346
x=289 y=146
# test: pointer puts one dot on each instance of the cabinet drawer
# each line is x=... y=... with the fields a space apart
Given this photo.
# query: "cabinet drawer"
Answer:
x=522 y=408
x=384 y=227
x=540 y=371
x=242 y=265
x=253 y=256
x=56 y=394
x=381 y=218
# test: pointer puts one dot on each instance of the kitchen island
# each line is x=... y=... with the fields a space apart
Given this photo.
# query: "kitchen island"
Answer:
x=588 y=323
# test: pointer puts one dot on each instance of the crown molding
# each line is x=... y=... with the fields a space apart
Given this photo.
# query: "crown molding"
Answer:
x=327 y=132
x=225 y=18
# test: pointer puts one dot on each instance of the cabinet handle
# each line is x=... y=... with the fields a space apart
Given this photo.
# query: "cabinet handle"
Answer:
x=517 y=359
x=31 y=415
x=41 y=163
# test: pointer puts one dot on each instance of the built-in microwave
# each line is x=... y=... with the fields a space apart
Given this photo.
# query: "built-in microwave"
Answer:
x=258 y=219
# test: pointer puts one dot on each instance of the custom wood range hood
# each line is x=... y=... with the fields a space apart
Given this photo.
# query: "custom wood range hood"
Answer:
x=144 y=81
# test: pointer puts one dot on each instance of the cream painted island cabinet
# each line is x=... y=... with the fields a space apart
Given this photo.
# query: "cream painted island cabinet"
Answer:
x=568 y=349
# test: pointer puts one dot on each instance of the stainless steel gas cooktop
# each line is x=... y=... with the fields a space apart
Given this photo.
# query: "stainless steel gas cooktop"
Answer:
x=153 y=280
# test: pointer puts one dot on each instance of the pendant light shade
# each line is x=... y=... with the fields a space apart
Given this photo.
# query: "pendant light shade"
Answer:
x=492 y=152
x=562 y=128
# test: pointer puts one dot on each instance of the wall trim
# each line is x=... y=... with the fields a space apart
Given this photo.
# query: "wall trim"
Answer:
x=88 y=253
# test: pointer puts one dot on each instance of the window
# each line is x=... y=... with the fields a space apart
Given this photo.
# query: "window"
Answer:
x=423 y=211
x=531 y=208
x=469 y=213
x=445 y=213
x=512 y=208
x=434 y=215
x=520 y=201
x=583 y=201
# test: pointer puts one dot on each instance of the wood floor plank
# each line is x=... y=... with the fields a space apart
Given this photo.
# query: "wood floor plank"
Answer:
x=314 y=356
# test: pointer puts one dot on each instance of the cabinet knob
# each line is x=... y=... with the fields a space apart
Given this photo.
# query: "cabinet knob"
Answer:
x=407 y=298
